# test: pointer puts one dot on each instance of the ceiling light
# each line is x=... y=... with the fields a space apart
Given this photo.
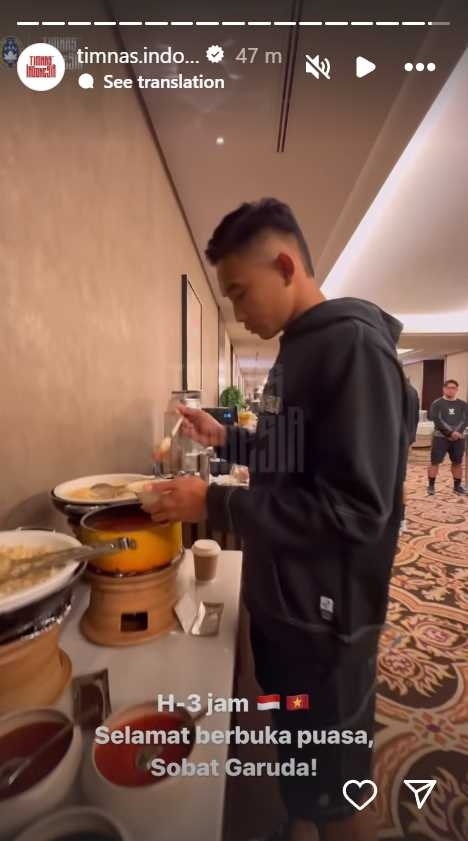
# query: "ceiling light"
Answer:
x=220 y=141
x=441 y=322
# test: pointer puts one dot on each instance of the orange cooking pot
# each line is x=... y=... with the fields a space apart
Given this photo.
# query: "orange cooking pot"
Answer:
x=156 y=545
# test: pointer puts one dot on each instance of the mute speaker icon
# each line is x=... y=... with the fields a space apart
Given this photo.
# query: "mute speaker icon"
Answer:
x=318 y=67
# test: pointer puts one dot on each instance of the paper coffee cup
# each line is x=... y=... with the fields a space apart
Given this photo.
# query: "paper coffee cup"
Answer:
x=205 y=559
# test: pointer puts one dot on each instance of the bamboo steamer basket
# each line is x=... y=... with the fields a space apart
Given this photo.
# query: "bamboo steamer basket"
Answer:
x=131 y=609
x=34 y=672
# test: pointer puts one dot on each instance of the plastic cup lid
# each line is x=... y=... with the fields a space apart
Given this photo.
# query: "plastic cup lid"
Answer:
x=206 y=547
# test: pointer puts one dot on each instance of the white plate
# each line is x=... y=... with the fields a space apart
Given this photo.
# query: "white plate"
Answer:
x=51 y=540
x=63 y=491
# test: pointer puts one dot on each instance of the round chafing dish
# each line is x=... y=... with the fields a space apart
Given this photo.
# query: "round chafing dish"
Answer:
x=156 y=545
x=31 y=619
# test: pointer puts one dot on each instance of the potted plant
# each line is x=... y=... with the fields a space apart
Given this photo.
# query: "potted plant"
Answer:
x=232 y=398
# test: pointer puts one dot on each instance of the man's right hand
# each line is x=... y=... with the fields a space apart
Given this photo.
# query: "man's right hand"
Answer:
x=455 y=436
x=202 y=427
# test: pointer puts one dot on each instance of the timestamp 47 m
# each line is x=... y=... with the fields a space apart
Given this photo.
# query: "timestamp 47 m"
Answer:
x=248 y=55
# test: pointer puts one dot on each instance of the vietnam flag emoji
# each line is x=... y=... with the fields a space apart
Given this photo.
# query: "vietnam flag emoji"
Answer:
x=297 y=702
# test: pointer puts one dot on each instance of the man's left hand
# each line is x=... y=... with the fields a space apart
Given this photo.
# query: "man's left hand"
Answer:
x=182 y=499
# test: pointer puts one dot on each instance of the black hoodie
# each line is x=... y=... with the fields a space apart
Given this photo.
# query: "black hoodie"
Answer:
x=320 y=520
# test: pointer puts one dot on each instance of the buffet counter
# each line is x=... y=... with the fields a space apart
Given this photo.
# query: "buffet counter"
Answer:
x=181 y=665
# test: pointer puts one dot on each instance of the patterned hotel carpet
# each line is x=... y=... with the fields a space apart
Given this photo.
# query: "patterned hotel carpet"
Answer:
x=422 y=707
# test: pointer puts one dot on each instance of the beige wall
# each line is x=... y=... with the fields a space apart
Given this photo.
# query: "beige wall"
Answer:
x=237 y=378
x=235 y=371
x=92 y=247
x=227 y=356
x=223 y=359
x=415 y=372
x=456 y=366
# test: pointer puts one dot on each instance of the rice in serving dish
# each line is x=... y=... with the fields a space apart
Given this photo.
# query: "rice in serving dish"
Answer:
x=10 y=556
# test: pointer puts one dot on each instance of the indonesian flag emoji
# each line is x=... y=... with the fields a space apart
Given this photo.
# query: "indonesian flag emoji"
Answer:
x=268 y=702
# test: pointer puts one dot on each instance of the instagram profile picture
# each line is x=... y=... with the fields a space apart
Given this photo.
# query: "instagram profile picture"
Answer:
x=10 y=48
x=41 y=67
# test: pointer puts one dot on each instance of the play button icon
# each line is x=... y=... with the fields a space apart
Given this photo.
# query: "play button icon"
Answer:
x=364 y=66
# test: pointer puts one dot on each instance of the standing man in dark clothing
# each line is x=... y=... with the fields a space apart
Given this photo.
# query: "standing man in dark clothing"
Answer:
x=320 y=519
x=450 y=417
x=413 y=398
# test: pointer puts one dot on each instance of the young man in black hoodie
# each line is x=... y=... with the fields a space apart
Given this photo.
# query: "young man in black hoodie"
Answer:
x=450 y=417
x=320 y=519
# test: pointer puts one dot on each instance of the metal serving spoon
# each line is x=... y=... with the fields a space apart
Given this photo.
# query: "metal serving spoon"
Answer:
x=17 y=765
x=166 y=442
x=145 y=757
x=103 y=490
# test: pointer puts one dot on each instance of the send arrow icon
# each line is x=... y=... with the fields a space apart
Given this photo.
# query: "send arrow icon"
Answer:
x=364 y=66
x=421 y=790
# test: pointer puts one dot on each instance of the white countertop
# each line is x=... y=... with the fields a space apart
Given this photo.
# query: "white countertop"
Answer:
x=177 y=664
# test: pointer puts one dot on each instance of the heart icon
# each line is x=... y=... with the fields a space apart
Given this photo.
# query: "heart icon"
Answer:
x=360 y=784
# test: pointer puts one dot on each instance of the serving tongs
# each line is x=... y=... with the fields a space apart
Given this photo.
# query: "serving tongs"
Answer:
x=57 y=560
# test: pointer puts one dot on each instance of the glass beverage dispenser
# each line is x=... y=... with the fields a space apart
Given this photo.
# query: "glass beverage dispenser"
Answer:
x=184 y=453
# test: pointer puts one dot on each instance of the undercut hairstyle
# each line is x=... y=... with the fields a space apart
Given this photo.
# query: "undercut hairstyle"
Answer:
x=447 y=382
x=241 y=227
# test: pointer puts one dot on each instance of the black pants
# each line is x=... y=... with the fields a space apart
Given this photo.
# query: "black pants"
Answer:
x=442 y=446
x=342 y=698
